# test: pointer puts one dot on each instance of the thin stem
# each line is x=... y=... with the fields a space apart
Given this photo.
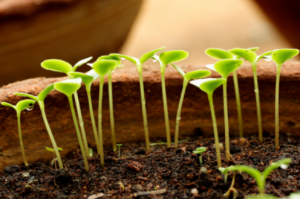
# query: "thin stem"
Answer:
x=21 y=138
x=144 y=111
x=200 y=158
x=256 y=90
x=277 y=107
x=119 y=154
x=88 y=92
x=42 y=107
x=111 y=112
x=216 y=135
x=163 y=86
x=81 y=123
x=238 y=103
x=227 y=143
x=100 y=120
x=178 y=117
x=84 y=156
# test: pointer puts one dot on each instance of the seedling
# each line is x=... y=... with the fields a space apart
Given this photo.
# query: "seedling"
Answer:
x=197 y=74
x=164 y=59
x=209 y=85
x=256 y=174
x=139 y=64
x=64 y=67
x=119 y=151
x=40 y=100
x=21 y=105
x=102 y=67
x=251 y=56
x=53 y=151
x=69 y=87
x=279 y=57
x=199 y=151
x=225 y=67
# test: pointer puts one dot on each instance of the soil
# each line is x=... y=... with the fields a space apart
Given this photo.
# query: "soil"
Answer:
x=162 y=173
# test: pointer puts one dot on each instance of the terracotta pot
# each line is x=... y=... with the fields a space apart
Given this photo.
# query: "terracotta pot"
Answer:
x=128 y=113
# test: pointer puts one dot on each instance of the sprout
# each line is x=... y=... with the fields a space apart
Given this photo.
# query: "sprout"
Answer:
x=64 y=67
x=164 y=59
x=225 y=67
x=197 y=74
x=279 y=57
x=199 y=151
x=102 y=67
x=209 y=85
x=69 y=87
x=251 y=56
x=119 y=151
x=256 y=174
x=40 y=100
x=21 y=105
x=139 y=64
x=53 y=151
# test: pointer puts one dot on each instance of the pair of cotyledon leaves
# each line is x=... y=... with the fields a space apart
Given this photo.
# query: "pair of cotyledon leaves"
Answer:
x=200 y=150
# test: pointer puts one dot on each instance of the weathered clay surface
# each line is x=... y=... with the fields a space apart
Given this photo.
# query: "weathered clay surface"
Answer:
x=128 y=114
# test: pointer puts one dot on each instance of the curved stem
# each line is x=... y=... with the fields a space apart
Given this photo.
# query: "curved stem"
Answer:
x=238 y=103
x=84 y=156
x=216 y=135
x=185 y=83
x=163 y=86
x=81 y=123
x=143 y=101
x=227 y=143
x=277 y=107
x=100 y=121
x=21 y=138
x=111 y=112
x=42 y=107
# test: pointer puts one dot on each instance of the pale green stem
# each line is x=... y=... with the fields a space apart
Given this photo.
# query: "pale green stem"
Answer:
x=111 y=112
x=238 y=103
x=42 y=107
x=88 y=91
x=163 y=86
x=216 y=135
x=144 y=111
x=81 y=123
x=84 y=156
x=178 y=117
x=227 y=138
x=256 y=90
x=200 y=158
x=21 y=138
x=100 y=120
x=277 y=107
x=119 y=154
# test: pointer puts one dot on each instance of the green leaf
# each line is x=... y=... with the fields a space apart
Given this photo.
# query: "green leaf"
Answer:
x=102 y=67
x=69 y=86
x=200 y=150
x=49 y=149
x=244 y=53
x=93 y=74
x=25 y=104
x=266 y=55
x=107 y=57
x=43 y=94
x=282 y=55
x=60 y=149
x=208 y=85
x=149 y=55
x=134 y=60
x=227 y=66
x=197 y=74
x=35 y=98
x=217 y=53
x=57 y=65
x=274 y=166
x=8 y=105
x=87 y=79
x=253 y=49
x=81 y=62
x=173 y=56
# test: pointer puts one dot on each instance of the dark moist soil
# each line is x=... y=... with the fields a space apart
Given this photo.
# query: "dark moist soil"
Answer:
x=161 y=173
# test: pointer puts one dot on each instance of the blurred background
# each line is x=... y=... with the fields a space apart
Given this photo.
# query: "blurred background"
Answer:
x=34 y=30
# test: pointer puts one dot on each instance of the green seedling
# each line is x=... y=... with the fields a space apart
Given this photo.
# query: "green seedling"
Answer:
x=199 y=151
x=64 y=67
x=53 y=151
x=102 y=67
x=225 y=67
x=69 y=87
x=40 y=99
x=250 y=55
x=139 y=64
x=164 y=59
x=279 y=57
x=197 y=74
x=209 y=85
x=260 y=177
x=20 y=106
x=119 y=151
x=87 y=79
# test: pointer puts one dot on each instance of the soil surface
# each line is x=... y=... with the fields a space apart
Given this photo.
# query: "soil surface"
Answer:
x=162 y=173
